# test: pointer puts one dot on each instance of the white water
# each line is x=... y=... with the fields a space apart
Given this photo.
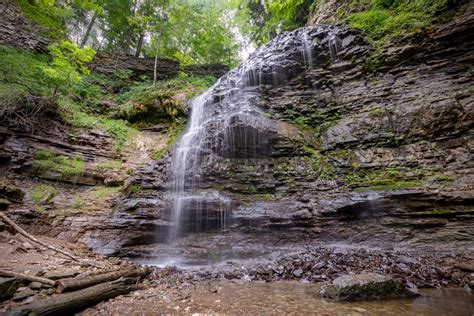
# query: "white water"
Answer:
x=226 y=121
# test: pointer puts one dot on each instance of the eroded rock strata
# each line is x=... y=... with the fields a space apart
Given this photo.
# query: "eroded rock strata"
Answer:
x=341 y=153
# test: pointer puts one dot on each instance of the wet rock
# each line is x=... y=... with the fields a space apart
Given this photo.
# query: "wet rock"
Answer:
x=319 y=265
x=298 y=273
x=406 y=260
x=340 y=251
x=365 y=286
x=8 y=287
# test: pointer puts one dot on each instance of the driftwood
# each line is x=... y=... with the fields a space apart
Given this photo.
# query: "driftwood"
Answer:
x=34 y=239
x=68 y=303
x=27 y=277
x=73 y=284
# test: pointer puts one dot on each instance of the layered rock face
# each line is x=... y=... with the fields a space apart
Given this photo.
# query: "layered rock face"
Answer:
x=302 y=143
x=327 y=151
x=17 y=31
x=109 y=64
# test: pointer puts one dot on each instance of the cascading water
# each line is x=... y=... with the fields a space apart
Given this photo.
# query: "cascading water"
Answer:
x=228 y=122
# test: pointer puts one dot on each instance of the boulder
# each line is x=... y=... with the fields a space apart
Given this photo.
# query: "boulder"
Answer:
x=365 y=286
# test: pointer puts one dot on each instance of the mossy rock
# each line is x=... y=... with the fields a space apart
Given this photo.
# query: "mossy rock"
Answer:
x=365 y=286
x=11 y=192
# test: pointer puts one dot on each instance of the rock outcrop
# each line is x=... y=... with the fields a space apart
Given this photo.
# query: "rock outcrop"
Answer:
x=379 y=158
x=17 y=31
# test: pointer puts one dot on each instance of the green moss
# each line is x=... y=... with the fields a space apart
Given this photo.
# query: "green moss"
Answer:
x=387 y=179
x=388 y=184
x=108 y=165
x=175 y=131
x=52 y=17
x=42 y=193
x=392 y=18
x=319 y=122
x=48 y=161
x=319 y=163
x=134 y=190
x=77 y=202
x=377 y=112
x=104 y=192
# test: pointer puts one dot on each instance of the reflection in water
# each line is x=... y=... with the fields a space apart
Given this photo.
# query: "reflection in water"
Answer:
x=299 y=299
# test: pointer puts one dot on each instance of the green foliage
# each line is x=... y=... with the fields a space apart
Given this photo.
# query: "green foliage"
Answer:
x=68 y=59
x=77 y=202
x=73 y=114
x=28 y=74
x=263 y=20
x=393 y=18
x=48 y=161
x=195 y=32
x=42 y=193
x=134 y=190
x=378 y=112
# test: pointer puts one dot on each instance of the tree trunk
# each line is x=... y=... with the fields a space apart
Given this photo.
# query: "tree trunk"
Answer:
x=73 y=284
x=140 y=44
x=154 y=68
x=66 y=304
x=89 y=29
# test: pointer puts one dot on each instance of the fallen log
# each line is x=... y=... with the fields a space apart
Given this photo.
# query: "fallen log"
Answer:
x=77 y=301
x=34 y=239
x=73 y=284
x=27 y=277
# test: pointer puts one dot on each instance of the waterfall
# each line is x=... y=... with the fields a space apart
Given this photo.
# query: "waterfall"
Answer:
x=228 y=122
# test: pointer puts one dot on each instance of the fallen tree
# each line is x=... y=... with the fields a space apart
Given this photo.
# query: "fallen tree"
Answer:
x=73 y=284
x=79 y=300
x=27 y=277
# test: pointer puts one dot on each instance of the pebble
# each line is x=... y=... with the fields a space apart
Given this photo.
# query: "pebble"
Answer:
x=298 y=273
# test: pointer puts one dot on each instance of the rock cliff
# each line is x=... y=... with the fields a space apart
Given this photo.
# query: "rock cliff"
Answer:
x=343 y=153
x=340 y=148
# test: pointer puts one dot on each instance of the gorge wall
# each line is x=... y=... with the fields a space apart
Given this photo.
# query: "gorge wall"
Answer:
x=341 y=151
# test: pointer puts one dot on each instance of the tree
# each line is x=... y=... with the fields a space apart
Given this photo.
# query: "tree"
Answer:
x=67 y=61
